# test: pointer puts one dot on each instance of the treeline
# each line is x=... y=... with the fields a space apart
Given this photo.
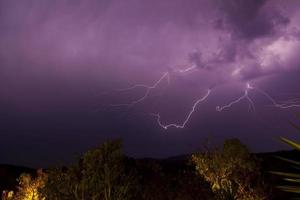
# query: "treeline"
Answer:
x=105 y=173
x=226 y=173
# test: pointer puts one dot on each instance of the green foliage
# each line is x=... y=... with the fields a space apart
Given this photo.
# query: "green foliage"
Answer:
x=231 y=172
x=101 y=173
x=292 y=178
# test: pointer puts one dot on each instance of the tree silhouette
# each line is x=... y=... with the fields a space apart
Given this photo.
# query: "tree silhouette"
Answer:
x=101 y=173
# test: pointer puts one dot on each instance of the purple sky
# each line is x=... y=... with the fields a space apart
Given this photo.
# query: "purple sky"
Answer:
x=61 y=61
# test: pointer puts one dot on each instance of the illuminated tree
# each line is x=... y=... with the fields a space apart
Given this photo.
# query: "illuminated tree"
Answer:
x=231 y=172
x=29 y=188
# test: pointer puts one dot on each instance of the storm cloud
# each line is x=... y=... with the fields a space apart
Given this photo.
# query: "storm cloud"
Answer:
x=60 y=60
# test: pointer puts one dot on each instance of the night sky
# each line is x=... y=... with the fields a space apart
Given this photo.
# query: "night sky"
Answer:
x=69 y=69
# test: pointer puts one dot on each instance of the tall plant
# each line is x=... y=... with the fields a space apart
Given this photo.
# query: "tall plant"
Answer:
x=291 y=177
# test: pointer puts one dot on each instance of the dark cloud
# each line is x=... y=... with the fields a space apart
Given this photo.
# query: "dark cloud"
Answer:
x=250 y=19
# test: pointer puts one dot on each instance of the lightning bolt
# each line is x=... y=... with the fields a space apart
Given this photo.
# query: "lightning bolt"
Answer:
x=245 y=96
x=191 y=68
x=148 y=89
x=166 y=76
x=186 y=119
x=285 y=105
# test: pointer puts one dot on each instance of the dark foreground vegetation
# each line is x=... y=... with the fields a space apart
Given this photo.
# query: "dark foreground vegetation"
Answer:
x=106 y=173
